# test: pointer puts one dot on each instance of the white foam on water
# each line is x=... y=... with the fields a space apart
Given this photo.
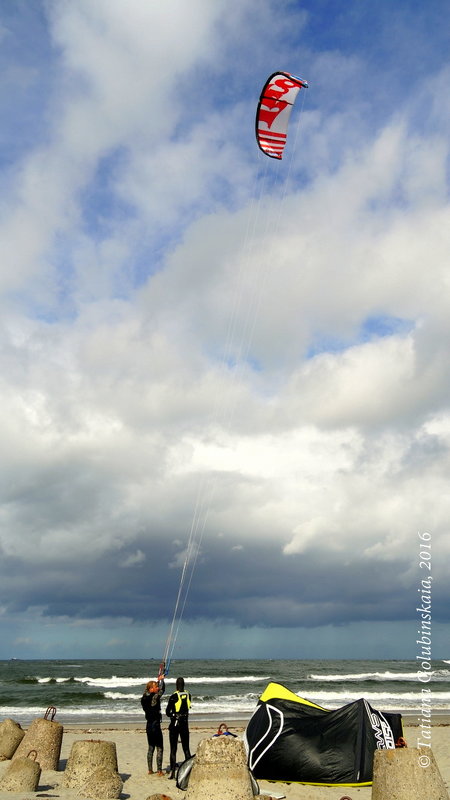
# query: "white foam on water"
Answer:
x=364 y=676
x=116 y=682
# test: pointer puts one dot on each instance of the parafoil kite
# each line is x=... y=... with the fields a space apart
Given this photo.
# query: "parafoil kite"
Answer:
x=274 y=109
x=293 y=740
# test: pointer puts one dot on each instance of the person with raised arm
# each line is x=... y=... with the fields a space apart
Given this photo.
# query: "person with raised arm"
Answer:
x=151 y=703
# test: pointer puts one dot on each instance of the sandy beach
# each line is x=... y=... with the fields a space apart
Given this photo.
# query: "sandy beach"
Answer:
x=131 y=745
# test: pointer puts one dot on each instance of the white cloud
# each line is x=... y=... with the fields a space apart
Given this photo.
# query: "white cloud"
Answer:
x=134 y=559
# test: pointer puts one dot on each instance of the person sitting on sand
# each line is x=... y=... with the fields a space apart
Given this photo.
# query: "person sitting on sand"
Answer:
x=151 y=703
x=178 y=711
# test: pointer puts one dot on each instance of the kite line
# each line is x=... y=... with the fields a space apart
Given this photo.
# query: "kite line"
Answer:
x=272 y=117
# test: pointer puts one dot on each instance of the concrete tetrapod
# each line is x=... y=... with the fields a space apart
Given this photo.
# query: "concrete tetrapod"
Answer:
x=408 y=773
x=220 y=771
x=92 y=767
x=11 y=735
x=22 y=775
x=44 y=736
x=103 y=783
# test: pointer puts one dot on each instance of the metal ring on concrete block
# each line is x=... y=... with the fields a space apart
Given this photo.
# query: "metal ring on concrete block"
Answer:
x=44 y=736
x=22 y=775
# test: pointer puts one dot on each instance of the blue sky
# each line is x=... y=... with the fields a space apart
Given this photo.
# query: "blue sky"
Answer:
x=197 y=337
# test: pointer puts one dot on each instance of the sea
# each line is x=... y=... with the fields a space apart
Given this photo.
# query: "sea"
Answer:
x=99 y=691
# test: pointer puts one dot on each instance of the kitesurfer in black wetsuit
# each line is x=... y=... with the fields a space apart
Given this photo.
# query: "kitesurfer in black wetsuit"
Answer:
x=178 y=711
x=151 y=703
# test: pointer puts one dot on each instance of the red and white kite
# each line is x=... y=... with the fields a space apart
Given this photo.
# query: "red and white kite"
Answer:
x=274 y=109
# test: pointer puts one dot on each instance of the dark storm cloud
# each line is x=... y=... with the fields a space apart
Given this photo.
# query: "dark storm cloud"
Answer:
x=240 y=586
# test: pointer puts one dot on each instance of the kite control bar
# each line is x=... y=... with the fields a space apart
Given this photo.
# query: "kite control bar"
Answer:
x=163 y=670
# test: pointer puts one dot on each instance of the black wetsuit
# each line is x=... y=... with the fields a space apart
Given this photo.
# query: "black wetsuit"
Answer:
x=178 y=711
x=151 y=703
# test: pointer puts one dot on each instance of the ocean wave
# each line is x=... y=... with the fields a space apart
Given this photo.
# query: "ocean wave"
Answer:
x=122 y=696
x=378 y=676
x=203 y=704
x=79 y=698
x=122 y=713
x=196 y=699
x=117 y=707
x=112 y=682
x=233 y=698
x=35 y=679
x=398 y=700
x=31 y=712
x=116 y=682
x=224 y=708
x=227 y=679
